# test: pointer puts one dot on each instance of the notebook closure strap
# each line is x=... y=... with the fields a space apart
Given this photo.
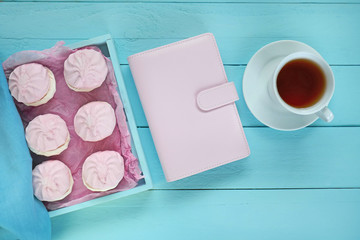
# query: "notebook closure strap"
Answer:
x=216 y=97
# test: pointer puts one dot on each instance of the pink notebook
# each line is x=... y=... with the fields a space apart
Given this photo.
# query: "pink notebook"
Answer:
x=190 y=106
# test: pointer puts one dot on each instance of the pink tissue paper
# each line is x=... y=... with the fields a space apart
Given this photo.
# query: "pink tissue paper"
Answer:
x=65 y=103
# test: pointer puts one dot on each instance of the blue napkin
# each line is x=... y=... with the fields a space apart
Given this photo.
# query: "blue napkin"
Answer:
x=21 y=214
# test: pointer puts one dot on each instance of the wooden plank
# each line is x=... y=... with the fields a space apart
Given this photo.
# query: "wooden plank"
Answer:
x=234 y=51
x=240 y=28
x=308 y=158
x=197 y=1
x=238 y=49
x=346 y=112
x=251 y=214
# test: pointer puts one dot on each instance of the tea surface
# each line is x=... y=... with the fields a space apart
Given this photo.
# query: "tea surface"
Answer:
x=301 y=83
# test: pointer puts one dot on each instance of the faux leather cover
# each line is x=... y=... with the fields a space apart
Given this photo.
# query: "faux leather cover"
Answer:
x=218 y=96
x=188 y=139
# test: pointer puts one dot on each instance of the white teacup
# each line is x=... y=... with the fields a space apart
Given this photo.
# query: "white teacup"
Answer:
x=320 y=106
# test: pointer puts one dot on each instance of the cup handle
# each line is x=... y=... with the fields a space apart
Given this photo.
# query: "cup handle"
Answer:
x=325 y=114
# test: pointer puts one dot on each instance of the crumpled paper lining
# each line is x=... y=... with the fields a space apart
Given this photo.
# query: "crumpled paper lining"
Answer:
x=65 y=103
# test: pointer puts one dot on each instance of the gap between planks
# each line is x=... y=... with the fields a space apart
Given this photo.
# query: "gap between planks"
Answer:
x=340 y=126
x=251 y=189
x=183 y=2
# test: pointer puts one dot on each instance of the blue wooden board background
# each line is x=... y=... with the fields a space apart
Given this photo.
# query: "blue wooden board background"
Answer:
x=295 y=185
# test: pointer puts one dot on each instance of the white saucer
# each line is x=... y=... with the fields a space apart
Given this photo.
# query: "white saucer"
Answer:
x=258 y=73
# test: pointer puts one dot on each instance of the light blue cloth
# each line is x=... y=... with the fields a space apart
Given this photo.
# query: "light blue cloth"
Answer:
x=21 y=213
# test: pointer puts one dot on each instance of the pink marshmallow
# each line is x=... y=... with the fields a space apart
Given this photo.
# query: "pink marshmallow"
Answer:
x=29 y=83
x=95 y=121
x=103 y=171
x=47 y=133
x=85 y=70
x=52 y=181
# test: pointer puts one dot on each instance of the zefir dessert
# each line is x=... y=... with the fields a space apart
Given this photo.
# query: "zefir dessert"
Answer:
x=32 y=84
x=103 y=171
x=95 y=121
x=85 y=70
x=47 y=135
x=52 y=181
